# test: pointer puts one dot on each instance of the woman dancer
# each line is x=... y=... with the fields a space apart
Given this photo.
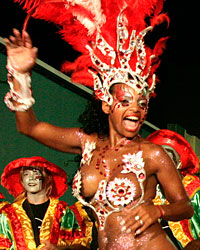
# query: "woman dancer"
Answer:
x=119 y=170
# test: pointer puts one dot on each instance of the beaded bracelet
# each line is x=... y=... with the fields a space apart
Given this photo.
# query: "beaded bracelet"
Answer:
x=160 y=210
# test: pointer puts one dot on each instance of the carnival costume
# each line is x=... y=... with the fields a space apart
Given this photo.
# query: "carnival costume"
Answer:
x=186 y=230
x=110 y=35
x=62 y=225
x=119 y=192
x=3 y=202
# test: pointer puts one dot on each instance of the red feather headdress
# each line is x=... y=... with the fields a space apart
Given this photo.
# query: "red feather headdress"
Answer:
x=110 y=35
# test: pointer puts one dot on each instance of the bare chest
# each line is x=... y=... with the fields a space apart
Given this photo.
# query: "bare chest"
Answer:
x=122 y=163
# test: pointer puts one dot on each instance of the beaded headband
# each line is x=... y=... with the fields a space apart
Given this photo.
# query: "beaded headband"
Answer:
x=110 y=75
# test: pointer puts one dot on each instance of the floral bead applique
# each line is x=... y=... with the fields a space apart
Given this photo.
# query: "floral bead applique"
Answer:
x=121 y=191
x=134 y=163
x=87 y=152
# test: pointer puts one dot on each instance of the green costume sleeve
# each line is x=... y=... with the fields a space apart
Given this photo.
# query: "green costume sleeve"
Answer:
x=194 y=222
x=6 y=239
x=77 y=226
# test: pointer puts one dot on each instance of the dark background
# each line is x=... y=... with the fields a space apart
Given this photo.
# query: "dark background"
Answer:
x=178 y=95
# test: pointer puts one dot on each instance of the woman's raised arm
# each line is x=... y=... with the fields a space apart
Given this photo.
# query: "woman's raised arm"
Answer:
x=21 y=59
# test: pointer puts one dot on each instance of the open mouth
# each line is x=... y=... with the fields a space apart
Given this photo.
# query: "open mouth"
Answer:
x=131 y=123
x=132 y=118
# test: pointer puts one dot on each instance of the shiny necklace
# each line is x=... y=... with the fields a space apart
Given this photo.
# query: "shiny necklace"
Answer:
x=101 y=159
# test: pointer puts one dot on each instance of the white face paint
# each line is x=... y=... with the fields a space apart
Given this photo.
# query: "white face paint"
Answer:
x=32 y=180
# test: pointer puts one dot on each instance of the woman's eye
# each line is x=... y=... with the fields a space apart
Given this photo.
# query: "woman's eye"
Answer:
x=142 y=104
x=124 y=102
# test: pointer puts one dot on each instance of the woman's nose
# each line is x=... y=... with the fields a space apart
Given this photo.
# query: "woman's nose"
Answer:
x=32 y=176
x=134 y=106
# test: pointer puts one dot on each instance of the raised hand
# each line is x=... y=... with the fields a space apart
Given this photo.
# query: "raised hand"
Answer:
x=22 y=55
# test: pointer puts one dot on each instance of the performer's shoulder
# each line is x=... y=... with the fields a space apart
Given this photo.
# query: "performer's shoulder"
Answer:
x=151 y=147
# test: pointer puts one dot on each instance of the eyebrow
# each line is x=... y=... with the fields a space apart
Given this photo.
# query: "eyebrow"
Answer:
x=34 y=170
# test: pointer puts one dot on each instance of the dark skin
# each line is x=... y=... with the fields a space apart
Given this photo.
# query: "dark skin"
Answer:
x=125 y=115
x=49 y=246
x=193 y=245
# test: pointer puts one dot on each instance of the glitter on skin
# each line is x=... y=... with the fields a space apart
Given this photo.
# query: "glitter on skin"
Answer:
x=128 y=242
x=123 y=242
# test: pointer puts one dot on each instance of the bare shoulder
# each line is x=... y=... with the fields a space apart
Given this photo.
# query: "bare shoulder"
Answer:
x=156 y=157
x=151 y=147
x=153 y=151
x=91 y=138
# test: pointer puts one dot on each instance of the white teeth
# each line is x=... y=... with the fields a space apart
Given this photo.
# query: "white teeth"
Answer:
x=132 y=118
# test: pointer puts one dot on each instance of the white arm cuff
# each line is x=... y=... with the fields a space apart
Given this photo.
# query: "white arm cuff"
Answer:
x=24 y=95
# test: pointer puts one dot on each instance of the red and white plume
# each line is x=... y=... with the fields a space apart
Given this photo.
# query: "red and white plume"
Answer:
x=110 y=36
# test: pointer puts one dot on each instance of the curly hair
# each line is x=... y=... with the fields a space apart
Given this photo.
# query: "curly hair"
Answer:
x=93 y=119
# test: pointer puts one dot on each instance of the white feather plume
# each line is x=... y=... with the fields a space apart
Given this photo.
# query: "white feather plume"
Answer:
x=94 y=6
